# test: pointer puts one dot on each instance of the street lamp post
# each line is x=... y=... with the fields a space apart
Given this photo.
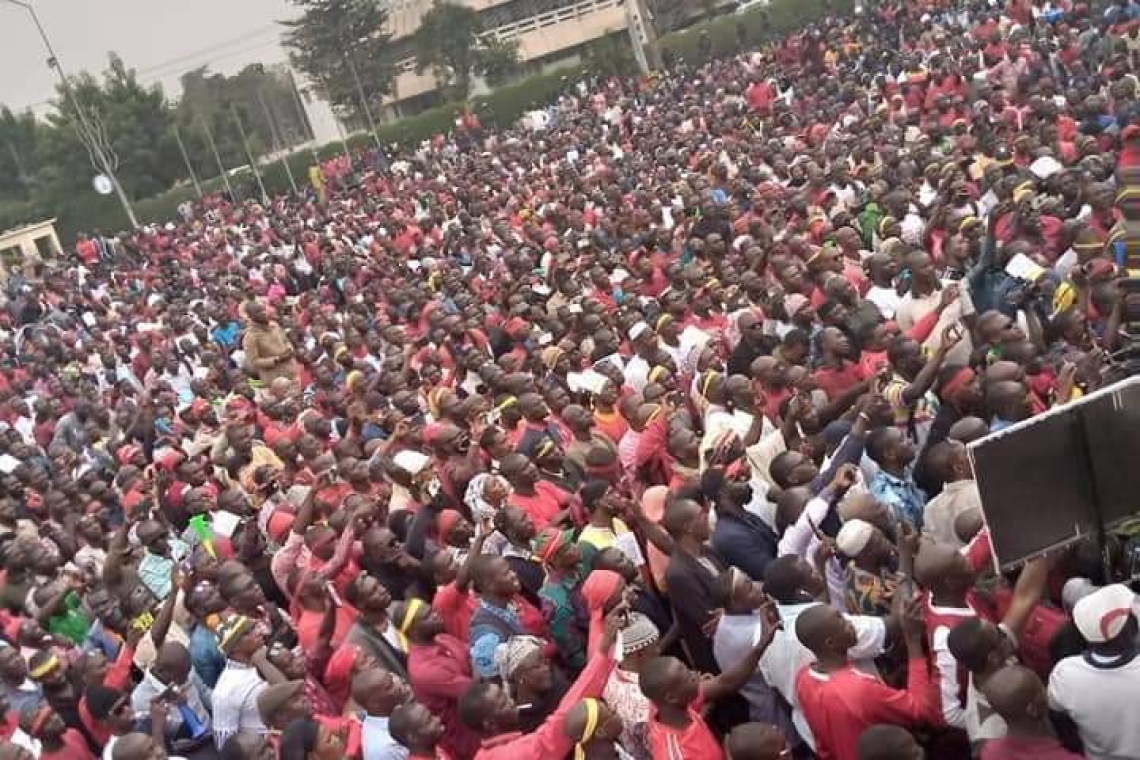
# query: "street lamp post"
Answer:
x=90 y=135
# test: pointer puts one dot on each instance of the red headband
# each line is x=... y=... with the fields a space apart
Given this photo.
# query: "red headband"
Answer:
x=961 y=379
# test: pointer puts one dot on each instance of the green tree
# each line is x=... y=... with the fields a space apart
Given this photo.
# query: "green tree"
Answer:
x=134 y=122
x=263 y=98
x=340 y=47
x=19 y=136
x=610 y=56
x=448 y=42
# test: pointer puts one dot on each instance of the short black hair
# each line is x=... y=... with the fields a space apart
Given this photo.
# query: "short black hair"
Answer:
x=471 y=705
x=782 y=578
x=967 y=645
x=299 y=739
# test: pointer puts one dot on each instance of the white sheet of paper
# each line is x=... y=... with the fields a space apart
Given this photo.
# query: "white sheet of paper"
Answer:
x=586 y=382
x=8 y=463
x=1023 y=268
x=224 y=523
x=627 y=544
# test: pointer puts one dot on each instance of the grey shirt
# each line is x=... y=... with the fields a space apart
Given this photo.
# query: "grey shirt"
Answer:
x=195 y=696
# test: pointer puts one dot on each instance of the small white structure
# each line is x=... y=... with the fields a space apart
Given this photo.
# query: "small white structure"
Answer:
x=28 y=247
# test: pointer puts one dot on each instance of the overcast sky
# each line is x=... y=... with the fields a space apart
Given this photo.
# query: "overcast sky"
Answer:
x=161 y=39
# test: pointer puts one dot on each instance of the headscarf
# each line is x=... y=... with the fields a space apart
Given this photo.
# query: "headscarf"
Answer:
x=592 y=710
x=598 y=589
x=549 y=542
x=338 y=673
x=510 y=654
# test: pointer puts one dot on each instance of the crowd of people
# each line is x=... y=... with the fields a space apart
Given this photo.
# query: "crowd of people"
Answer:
x=641 y=435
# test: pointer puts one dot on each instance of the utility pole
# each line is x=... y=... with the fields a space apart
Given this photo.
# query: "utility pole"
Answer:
x=91 y=132
x=218 y=158
x=276 y=140
x=186 y=158
x=363 y=101
x=643 y=36
x=249 y=153
x=303 y=118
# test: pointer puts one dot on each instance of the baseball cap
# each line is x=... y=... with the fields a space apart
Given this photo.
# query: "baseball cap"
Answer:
x=1102 y=615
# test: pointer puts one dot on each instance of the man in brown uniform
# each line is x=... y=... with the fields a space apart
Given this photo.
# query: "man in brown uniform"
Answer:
x=268 y=351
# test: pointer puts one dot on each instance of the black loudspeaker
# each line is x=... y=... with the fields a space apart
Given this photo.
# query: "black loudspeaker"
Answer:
x=1057 y=478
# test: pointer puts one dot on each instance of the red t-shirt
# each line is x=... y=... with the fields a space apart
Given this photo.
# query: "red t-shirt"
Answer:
x=455 y=607
x=834 y=382
x=839 y=706
x=74 y=748
x=309 y=626
x=694 y=742
x=548 y=501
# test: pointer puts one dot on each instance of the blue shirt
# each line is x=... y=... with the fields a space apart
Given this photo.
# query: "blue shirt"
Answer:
x=226 y=335
x=99 y=640
x=905 y=500
x=205 y=657
x=485 y=638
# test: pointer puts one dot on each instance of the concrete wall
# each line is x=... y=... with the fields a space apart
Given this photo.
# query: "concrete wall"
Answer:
x=538 y=37
x=19 y=246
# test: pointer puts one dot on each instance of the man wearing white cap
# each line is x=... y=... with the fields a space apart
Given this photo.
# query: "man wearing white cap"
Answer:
x=1099 y=690
x=870 y=581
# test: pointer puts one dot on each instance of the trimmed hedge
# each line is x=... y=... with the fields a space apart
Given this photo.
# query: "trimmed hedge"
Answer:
x=499 y=108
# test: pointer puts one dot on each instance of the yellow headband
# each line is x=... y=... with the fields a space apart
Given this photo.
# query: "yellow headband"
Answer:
x=413 y=606
x=592 y=710
x=656 y=373
x=1022 y=191
x=662 y=320
x=1128 y=193
x=45 y=667
x=544 y=448
x=506 y=403
x=707 y=381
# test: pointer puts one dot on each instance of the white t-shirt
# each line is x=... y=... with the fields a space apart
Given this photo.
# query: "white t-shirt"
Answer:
x=785 y=657
x=1103 y=702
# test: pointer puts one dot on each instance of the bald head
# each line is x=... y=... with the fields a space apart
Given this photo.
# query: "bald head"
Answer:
x=755 y=741
x=1003 y=371
x=968 y=429
x=1008 y=400
x=888 y=742
x=820 y=629
x=1017 y=694
x=137 y=746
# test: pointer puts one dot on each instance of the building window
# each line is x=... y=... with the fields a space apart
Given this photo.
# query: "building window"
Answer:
x=45 y=247
x=11 y=257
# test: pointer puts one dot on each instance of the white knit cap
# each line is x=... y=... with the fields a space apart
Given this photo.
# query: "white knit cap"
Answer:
x=411 y=461
x=854 y=536
x=1102 y=615
x=638 y=330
